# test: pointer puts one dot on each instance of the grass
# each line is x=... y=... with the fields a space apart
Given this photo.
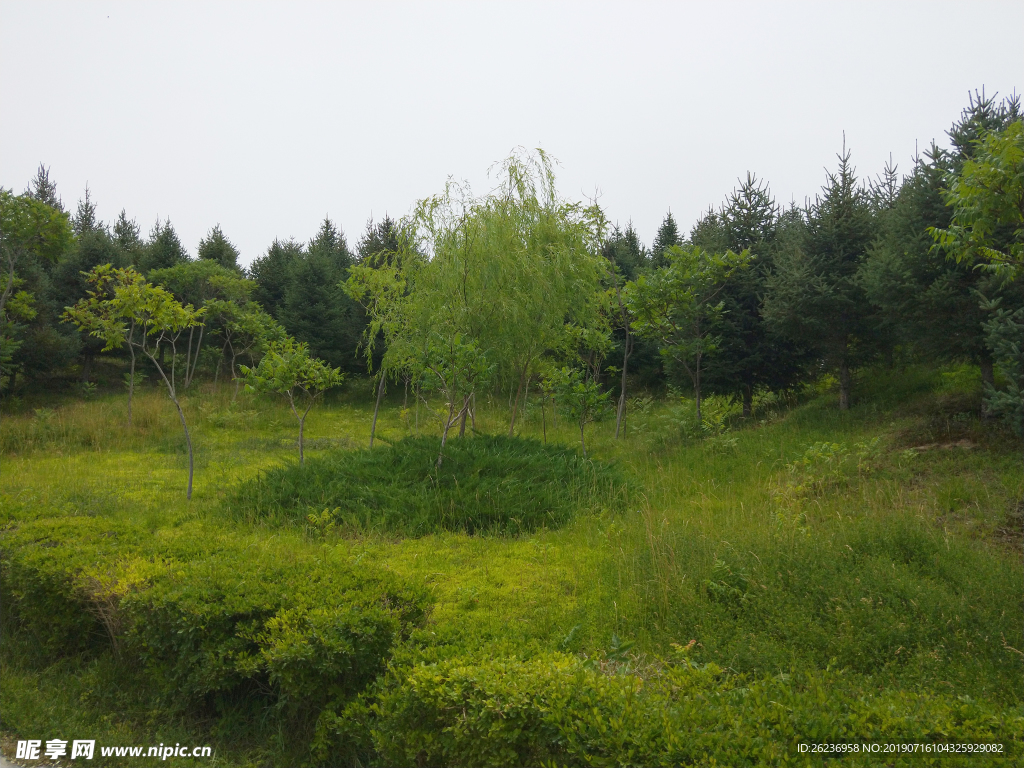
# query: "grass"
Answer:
x=897 y=563
x=486 y=485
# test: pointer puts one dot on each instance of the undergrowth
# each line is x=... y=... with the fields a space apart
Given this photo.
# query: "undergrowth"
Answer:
x=486 y=484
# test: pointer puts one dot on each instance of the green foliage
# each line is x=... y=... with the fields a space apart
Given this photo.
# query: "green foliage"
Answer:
x=287 y=369
x=987 y=198
x=210 y=619
x=216 y=247
x=579 y=396
x=555 y=710
x=490 y=485
x=1006 y=339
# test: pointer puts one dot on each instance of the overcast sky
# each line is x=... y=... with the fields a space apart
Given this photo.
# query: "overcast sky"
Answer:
x=264 y=117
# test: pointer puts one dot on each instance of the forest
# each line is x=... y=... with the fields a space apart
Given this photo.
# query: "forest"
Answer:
x=499 y=484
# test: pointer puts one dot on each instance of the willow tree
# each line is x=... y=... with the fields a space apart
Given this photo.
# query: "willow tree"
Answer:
x=482 y=287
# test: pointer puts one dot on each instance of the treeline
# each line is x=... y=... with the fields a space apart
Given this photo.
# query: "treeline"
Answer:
x=523 y=289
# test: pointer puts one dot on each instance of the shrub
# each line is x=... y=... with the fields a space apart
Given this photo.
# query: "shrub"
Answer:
x=486 y=485
x=212 y=618
x=555 y=709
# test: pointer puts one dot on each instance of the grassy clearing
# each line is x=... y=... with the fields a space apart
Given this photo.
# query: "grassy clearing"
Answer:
x=891 y=556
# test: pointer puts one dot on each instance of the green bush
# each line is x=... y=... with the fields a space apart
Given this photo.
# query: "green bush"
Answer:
x=558 y=710
x=51 y=579
x=486 y=485
x=211 y=618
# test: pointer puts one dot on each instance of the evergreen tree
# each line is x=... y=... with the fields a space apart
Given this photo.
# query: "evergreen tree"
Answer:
x=127 y=238
x=668 y=235
x=216 y=247
x=624 y=249
x=85 y=219
x=330 y=243
x=272 y=273
x=814 y=296
x=163 y=249
x=44 y=190
x=749 y=355
x=379 y=243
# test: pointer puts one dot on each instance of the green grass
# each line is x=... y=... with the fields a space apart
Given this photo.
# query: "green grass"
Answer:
x=897 y=567
x=485 y=485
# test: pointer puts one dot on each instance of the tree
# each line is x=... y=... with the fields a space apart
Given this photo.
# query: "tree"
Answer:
x=127 y=238
x=163 y=249
x=85 y=217
x=216 y=247
x=196 y=283
x=287 y=369
x=44 y=190
x=580 y=395
x=124 y=296
x=679 y=304
x=987 y=198
x=109 y=312
x=667 y=236
x=33 y=237
x=246 y=329
x=379 y=242
x=272 y=272
x=814 y=295
x=749 y=355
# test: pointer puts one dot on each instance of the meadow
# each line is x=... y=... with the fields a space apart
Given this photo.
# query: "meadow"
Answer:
x=712 y=593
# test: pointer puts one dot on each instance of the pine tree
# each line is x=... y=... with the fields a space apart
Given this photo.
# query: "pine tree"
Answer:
x=216 y=247
x=814 y=295
x=379 y=243
x=163 y=249
x=330 y=243
x=85 y=219
x=668 y=235
x=44 y=190
x=127 y=238
x=749 y=355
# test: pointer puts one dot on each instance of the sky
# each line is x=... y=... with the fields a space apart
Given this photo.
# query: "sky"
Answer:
x=266 y=117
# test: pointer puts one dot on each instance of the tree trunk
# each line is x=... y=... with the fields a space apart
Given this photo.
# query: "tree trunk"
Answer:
x=583 y=444
x=472 y=412
x=515 y=405
x=465 y=413
x=131 y=384
x=376 y=408
x=188 y=440
x=86 y=367
x=444 y=434
x=844 y=385
x=544 y=418
x=696 y=392
x=621 y=412
x=748 y=401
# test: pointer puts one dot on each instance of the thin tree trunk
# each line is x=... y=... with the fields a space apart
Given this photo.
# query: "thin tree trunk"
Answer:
x=444 y=434
x=748 y=401
x=543 y=417
x=515 y=405
x=621 y=411
x=376 y=408
x=417 y=392
x=696 y=392
x=583 y=444
x=190 y=373
x=465 y=413
x=844 y=385
x=131 y=384
x=188 y=440
x=472 y=412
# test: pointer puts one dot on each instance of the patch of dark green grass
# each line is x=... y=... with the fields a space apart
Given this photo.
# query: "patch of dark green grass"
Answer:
x=491 y=485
